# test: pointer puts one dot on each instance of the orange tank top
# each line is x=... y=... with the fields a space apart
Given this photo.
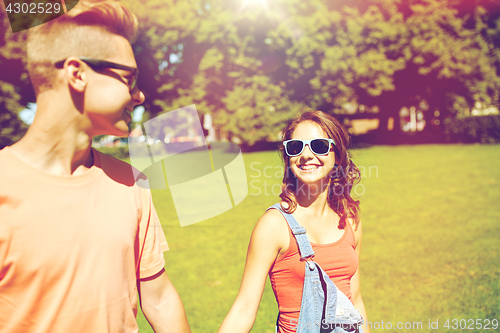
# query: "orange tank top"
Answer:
x=339 y=260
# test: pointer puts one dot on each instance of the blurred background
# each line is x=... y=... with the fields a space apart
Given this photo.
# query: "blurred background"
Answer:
x=392 y=71
x=417 y=84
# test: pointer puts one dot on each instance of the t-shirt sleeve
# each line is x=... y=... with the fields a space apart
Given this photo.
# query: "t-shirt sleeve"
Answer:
x=152 y=240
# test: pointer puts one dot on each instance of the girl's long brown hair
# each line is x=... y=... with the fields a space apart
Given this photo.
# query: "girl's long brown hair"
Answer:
x=342 y=178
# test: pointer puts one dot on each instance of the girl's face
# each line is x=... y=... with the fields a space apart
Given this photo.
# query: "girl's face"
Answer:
x=308 y=167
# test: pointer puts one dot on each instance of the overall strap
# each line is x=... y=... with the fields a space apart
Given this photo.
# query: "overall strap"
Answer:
x=299 y=232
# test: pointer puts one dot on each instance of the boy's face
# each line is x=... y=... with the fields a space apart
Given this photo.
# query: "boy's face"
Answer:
x=108 y=99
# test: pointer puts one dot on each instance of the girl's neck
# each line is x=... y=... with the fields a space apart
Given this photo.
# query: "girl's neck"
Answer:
x=312 y=196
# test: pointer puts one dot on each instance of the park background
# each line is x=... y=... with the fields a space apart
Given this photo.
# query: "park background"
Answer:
x=417 y=84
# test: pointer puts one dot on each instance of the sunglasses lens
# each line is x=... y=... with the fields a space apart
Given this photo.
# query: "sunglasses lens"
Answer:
x=294 y=147
x=320 y=146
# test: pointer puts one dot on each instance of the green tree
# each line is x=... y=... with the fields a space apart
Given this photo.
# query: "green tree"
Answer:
x=240 y=62
x=256 y=110
x=15 y=89
x=209 y=54
x=392 y=54
x=252 y=66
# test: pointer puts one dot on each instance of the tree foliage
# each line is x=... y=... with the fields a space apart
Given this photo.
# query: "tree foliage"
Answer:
x=253 y=64
x=15 y=91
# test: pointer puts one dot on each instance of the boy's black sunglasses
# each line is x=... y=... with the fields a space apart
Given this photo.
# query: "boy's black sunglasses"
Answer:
x=317 y=146
x=96 y=64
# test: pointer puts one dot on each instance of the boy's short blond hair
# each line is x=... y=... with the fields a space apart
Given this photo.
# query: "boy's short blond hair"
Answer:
x=85 y=31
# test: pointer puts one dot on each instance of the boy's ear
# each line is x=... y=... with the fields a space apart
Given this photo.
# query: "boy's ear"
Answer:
x=76 y=74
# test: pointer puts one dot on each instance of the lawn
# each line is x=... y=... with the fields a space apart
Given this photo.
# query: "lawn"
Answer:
x=431 y=240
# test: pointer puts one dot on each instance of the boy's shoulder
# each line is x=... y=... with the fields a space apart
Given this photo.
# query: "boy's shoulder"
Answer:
x=116 y=169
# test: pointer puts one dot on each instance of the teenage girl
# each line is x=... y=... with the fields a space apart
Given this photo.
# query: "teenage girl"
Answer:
x=316 y=190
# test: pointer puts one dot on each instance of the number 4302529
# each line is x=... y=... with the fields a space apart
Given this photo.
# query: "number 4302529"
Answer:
x=33 y=8
x=470 y=324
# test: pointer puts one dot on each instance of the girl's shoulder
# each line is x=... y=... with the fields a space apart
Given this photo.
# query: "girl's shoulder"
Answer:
x=272 y=227
x=273 y=219
x=355 y=229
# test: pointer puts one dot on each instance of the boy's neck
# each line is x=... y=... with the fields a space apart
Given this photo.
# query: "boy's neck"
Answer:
x=55 y=142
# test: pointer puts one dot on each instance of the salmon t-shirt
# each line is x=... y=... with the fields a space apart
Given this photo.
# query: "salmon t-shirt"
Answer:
x=73 y=247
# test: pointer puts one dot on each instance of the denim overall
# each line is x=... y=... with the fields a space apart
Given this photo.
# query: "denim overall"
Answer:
x=324 y=307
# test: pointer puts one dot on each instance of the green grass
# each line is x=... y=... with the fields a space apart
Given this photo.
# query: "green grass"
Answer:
x=431 y=239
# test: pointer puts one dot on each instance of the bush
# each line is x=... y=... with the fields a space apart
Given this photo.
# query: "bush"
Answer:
x=483 y=129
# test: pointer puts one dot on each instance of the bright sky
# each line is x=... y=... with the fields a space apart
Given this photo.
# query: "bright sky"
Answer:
x=28 y=114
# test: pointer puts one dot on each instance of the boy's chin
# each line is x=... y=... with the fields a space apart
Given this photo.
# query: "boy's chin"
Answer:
x=121 y=129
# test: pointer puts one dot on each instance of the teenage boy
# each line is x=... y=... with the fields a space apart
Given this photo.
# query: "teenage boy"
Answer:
x=78 y=238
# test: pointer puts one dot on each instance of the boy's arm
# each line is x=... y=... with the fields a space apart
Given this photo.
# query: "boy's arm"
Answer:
x=162 y=305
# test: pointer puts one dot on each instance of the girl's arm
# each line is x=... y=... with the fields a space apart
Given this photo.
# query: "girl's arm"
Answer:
x=355 y=281
x=268 y=238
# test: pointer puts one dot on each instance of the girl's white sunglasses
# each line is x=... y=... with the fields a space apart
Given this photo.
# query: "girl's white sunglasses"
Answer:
x=295 y=147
